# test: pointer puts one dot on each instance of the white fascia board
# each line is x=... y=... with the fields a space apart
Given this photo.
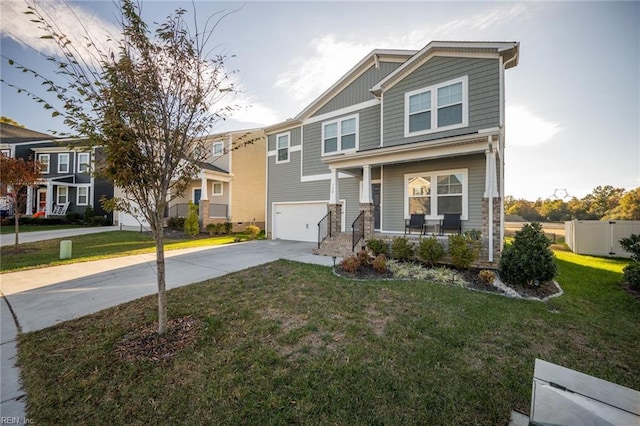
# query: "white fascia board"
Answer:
x=326 y=176
x=288 y=124
x=210 y=174
x=342 y=111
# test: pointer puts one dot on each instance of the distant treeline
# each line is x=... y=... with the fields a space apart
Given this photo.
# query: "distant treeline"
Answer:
x=603 y=203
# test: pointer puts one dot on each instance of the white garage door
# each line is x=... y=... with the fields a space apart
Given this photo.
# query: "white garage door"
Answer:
x=126 y=219
x=297 y=222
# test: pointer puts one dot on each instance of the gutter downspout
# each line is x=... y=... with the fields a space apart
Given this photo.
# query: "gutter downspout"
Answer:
x=490 y=192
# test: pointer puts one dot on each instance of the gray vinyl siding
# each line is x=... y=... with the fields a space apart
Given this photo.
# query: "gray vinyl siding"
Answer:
x=284 y=186
x=312 y=150
x=484 y=96
x=393 y=189
x=359 y=90
x=369 y=122
x=295 y=138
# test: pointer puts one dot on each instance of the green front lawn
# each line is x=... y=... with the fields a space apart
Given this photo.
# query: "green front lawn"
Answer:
x=11 y=229
x=94 y=247
x=293 y=343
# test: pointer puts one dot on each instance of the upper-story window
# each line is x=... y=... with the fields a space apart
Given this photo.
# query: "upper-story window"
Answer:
x=63 y=163
x=435 y=108
x=218 y=149
x=282 y=147
x=84 y=159
x=340 y=135
x=44 y=161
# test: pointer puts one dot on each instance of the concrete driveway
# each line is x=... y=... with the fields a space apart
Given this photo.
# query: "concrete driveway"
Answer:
x=40 y=298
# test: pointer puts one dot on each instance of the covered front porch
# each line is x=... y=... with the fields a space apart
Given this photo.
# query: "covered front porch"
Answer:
x=458 y=176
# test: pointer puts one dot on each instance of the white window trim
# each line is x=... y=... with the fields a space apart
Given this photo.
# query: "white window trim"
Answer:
x=66 y=154
x=213 y=149
x=66 y=188
x=288 y=147
x=213 y=189
x=339 y=121
x=78 y=195
x=434 y=107
x=48 y=157
x=434 y=195
x=80 y=162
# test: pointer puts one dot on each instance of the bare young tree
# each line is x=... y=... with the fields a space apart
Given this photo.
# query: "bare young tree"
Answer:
x=149 y=103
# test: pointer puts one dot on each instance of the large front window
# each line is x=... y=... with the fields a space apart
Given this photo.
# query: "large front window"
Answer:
x=435 y=108
x=435 y=193
x=340 y=135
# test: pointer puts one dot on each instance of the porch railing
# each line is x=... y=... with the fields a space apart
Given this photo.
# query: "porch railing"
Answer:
x=357 y=230
x=178 y=210
x=324 y=228
x=218 y=210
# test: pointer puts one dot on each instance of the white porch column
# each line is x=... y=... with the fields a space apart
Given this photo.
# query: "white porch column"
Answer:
x=204 y=193
x=28 y=208
x=334 y=192
x=49 y=199
x=365 y=195
x=490 y=189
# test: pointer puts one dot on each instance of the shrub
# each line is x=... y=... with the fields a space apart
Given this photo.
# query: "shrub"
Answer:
x=176 y=223
x=631 y=275
x=377 y=246
x=463 y=250
x=192 y=222
x=473 y=234
x=228 y=227
x=213 y=228
x=380 y=264
x=89 y=213
x=350 y=264
x=632 y=245
x=364 y=257
x=487 y=276
x=529 y=260
x=430 y=251
x=401 y=249
x=72 y=217
x=253 y=232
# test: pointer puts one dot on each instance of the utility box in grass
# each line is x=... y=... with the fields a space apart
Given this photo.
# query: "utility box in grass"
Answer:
x=65 y=249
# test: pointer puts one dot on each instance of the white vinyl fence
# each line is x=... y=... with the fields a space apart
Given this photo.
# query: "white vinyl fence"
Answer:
x=599 y=237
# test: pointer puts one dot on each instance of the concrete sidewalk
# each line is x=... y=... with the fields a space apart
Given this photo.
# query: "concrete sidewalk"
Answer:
x=31 y=237
x=44 y=297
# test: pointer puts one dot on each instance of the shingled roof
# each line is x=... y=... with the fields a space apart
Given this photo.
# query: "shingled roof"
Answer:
x=15 y=134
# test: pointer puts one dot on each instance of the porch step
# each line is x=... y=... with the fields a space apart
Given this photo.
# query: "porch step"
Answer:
x=339 y=245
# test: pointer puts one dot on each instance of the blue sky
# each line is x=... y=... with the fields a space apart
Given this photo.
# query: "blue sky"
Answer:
x=573 y=102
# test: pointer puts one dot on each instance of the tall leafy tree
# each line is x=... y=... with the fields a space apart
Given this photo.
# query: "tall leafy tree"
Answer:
x=16 y=176
x=149 y=103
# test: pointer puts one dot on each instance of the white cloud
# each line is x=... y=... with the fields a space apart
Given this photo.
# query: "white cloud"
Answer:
x=329 y=57
x=525 y=128
x=76 y=23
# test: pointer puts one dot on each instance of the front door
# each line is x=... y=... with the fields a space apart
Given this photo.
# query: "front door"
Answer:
x=197 y=193
x=375 y=194
x=42 y=199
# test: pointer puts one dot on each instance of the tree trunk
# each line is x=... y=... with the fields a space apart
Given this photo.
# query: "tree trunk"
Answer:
x=162 y=301
x=17 y=228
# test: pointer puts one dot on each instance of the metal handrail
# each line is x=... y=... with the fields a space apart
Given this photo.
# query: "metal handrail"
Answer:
x=324 y=228
x=357 y=230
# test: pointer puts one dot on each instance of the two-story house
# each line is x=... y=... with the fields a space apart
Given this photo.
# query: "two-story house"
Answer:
x=66 y=184
x=230 y=186
x=402 y=133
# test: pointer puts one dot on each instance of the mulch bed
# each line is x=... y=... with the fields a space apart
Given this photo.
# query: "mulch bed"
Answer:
x=541 y=291
x=631 y=291
x=146 y=344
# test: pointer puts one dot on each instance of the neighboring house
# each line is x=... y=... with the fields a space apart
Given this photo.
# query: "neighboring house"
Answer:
x=66 y=183
x=230 y=186
x=402 y=133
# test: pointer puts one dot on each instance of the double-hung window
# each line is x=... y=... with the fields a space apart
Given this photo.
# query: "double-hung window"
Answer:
x=282 y=147
x=82 y=196
x=435 y=193
x=340 y=135
x=217 y=188
x=63 y=163
x=44 y=162
x=83 y=162
x=62 y=195
x=218 y=149
x=439 y=107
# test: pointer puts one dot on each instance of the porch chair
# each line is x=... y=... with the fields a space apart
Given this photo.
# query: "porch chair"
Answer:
x=416 y=222
x=451 y=222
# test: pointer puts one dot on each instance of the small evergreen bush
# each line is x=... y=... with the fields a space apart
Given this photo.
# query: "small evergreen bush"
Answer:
x=401 y=249
x=192 y=222
x=176 y=223
x=529 y=260
x=228 y=227
x=430 y=251
x=377 y=246
x=253 y=232
x=89 y=213
x=213 y=228
x=632 y=245
x=463 y=250
x=487 y=276
x=631 y=274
